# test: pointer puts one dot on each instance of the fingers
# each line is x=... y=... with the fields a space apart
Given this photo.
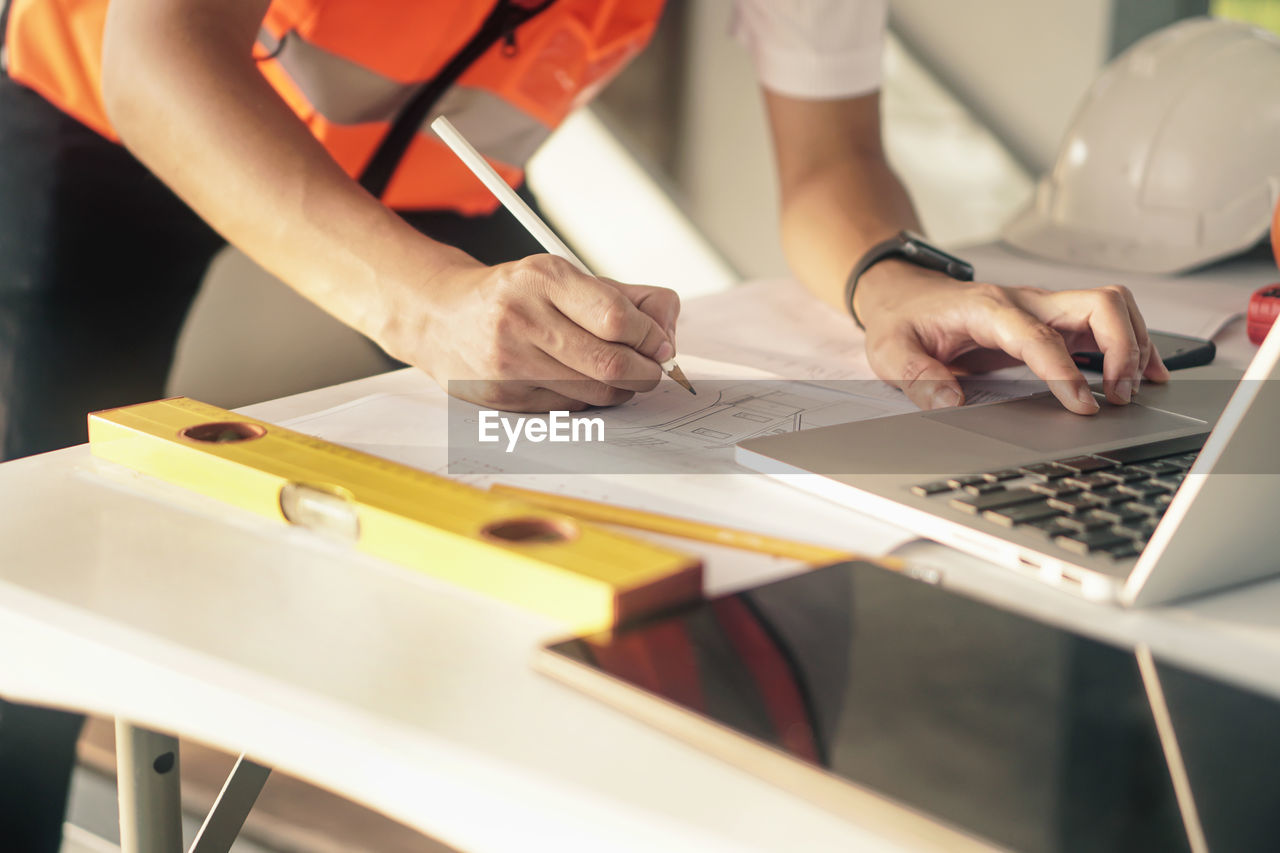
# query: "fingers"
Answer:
x=538 y=344
x=1105 y=312
x=934 y=321
x=622 y=344
x=904 y=363
x=1044 y=351
x=614 y=365
x=557 y=389
x=580 y=355
x=1111 y=317
x=606 y=312
x=1152 y=364
x=554 y=375
x=1123 y=354
x=548 y=386
x=660 y=303
x=592 y=328
x=1156 y=370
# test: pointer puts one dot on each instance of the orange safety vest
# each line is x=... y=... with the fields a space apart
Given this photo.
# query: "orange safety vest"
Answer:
x=506 y=72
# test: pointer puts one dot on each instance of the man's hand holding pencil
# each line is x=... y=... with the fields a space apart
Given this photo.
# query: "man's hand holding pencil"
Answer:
x=542 y=333
x=537 y=335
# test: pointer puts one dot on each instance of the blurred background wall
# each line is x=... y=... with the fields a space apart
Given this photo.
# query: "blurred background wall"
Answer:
x=669 y=178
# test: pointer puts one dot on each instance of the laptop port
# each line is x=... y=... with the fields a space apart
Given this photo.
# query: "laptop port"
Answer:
x=1070 y=579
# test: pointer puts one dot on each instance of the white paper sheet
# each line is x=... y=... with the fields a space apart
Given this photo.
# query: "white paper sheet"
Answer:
x=666 y=431
x=806 y=339
x=812 y=342
x=409 y=423
x=1199 y=304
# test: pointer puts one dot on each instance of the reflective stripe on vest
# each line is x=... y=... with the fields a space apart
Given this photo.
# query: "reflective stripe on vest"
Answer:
x=342 y=91
x=347 y=67
x=345 y=93
x=498 y=130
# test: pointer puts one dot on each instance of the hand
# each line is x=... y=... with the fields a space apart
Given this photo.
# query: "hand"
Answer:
x=536 y=335
x=921 y=324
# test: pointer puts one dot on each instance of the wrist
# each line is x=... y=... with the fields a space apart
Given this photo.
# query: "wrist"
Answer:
x=906 y=248
x=886 y=283
x=413 y=282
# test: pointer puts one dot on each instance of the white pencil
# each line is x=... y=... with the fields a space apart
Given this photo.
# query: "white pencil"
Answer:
x=525 y=215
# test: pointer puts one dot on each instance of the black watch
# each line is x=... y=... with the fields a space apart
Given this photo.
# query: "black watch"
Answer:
x=913 y=249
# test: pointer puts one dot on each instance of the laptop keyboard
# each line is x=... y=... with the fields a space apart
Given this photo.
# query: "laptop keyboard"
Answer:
x=1106 y=502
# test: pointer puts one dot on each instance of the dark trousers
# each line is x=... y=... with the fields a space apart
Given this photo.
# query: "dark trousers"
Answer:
x=99 y=263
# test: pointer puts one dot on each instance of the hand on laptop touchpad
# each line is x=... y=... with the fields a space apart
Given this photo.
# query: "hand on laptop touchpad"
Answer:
x=1040 y=423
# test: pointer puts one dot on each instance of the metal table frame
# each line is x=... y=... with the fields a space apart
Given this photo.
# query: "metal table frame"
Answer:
x=150 y=793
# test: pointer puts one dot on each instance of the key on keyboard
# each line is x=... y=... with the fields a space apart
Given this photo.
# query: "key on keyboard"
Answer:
x=1108 y=502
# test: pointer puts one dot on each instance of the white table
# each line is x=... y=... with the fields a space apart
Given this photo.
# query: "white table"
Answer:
x=415 y=698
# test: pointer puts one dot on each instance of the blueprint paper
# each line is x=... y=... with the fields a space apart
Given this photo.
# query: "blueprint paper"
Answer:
x=667 y=430
x=409 y=423
x=807 y=339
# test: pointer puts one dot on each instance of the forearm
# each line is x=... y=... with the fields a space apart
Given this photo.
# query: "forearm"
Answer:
x=182 y=88
x=831 y=217
x=839 y=196
x=183 y=91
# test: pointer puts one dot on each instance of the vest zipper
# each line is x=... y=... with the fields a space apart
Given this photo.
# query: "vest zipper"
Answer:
x=501 y=24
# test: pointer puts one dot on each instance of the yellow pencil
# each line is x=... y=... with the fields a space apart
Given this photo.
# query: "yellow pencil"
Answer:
x=672 y=526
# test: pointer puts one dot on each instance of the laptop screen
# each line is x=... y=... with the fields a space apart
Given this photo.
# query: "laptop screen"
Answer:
x=1032 y=737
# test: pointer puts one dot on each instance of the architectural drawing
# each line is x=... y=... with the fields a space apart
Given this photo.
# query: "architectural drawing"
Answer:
x=727 y=412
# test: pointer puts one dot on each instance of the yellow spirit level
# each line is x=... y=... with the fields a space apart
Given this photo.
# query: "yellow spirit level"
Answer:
x=586 y=577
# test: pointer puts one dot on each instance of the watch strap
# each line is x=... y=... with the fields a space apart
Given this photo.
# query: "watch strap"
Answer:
x=912 y=249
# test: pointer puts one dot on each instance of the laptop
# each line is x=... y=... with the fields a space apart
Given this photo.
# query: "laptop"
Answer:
x=1171 y=496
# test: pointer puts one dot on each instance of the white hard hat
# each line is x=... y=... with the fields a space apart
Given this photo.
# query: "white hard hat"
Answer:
x=1173 y=159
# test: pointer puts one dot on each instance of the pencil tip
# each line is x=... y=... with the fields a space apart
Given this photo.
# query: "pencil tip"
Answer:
x=678 y=375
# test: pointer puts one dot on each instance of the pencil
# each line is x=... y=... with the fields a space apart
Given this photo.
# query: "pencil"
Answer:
x=672 y=526
x=525 y=215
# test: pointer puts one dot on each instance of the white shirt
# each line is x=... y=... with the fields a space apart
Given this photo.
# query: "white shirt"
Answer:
x=814 y=48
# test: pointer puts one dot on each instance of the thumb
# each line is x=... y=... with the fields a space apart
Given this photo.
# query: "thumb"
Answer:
x=902 y=362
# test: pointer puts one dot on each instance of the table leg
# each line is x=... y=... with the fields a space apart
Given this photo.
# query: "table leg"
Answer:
x=149 y=790
x=231 y=808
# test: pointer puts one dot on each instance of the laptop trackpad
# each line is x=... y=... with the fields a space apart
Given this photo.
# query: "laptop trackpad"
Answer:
x=1040 y=423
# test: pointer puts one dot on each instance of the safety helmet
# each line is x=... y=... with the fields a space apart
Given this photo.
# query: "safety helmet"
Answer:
x=1171 y=161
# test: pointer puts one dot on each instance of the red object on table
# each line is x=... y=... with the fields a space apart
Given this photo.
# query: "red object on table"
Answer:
x=1264 y=307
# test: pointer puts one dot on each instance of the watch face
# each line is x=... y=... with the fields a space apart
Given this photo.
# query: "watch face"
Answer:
x=922 y=253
